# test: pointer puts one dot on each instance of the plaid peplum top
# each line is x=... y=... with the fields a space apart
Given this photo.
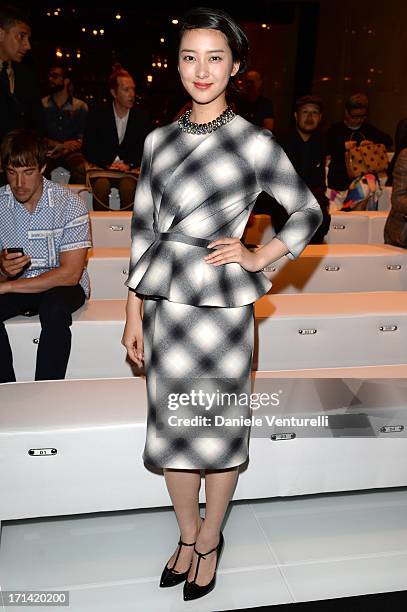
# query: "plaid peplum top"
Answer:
x=195 y=188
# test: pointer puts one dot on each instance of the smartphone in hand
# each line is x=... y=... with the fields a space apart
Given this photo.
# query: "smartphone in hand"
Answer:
x=15 y=250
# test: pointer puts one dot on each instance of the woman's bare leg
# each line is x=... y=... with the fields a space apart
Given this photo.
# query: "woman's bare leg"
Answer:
x=219 y=486
x=183 y=487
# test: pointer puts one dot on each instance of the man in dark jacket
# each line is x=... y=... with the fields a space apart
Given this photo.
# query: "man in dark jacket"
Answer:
x=304 y=146
x=254 y=106
x=20 y=103
x=113 y=142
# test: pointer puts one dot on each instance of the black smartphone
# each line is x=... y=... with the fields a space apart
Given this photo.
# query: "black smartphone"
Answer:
x=15 y=250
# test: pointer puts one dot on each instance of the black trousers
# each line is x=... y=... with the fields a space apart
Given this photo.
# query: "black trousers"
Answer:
x=54 y=308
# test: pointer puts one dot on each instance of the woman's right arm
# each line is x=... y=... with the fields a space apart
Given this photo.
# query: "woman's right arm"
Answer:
x=142 y=236
x=132 y=338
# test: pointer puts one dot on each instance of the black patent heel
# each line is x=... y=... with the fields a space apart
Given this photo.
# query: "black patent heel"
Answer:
x=170 y=577
x=193 y=590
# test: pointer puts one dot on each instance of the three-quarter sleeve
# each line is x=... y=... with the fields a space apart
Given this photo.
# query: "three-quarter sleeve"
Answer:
x=276 y=176
x=142 y=224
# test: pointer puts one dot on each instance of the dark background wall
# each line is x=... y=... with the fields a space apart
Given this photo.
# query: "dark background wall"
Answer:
x=362 y=47
x=330 y=47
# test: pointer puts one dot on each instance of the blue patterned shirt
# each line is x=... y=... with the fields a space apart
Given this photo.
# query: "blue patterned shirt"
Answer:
x=67 y=122
x=59 y=223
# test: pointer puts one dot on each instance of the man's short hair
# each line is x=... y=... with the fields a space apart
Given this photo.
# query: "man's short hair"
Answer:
x=21 y=148
x=61 y=66
x=117 y=71
x=10 y=15
x=308 y=100
x=358 y=100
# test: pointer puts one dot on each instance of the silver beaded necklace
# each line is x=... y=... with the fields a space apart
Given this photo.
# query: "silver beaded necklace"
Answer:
x=204 y=128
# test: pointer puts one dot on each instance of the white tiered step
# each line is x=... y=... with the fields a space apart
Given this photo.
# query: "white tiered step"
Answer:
x=320 y=268
x=112 y=229
x=292 y=331
x=68 y=447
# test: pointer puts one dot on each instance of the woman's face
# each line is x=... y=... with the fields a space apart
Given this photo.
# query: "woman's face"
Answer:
x=205 y=64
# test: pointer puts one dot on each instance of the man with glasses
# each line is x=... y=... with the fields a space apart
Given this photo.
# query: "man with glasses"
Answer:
x=64 y=122
x=353 y=129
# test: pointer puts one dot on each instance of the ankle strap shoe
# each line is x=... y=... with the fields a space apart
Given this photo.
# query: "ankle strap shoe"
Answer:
x=193 y=590
x=170 y=577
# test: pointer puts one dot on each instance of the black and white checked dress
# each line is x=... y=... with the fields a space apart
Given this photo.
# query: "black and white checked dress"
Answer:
x=198 y=320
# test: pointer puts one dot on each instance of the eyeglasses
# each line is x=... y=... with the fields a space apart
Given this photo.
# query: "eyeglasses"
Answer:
x=55 y=75
x=310 y=112
x=358 y=115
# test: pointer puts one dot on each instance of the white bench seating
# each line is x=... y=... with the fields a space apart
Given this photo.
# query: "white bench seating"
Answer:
x=113 y=229
x=86 y=195
x=331 y=330
x=83 y=192
x=292 y=332
x=341 y=267
x=108 y=270
x=357 y=227
x=96 y=350
x=376 y=220
x=320 y=268
x=69 y=447
x=385 y=199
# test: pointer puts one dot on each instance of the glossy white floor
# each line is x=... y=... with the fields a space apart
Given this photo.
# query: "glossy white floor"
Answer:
x=277 y=551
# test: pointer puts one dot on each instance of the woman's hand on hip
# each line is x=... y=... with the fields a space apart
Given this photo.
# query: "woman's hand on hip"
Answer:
x=132 y=340
x=231 y=250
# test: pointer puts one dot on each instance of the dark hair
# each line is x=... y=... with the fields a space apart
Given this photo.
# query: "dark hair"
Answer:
x=117 y=71
x=63 y=67
x=358 y=100
x=316 y=100
x=10 y=15
x=215 y=19
x=23 y=148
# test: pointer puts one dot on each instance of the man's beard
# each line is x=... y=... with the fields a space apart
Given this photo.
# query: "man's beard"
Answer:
x=55 y=88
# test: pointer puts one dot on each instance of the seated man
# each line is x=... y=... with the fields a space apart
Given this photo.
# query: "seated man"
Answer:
x=343 y=135
x=64 y=122
x=113 y=142
x=44 y=237
x=253 y=105
x=256 y=108
x=305 y=148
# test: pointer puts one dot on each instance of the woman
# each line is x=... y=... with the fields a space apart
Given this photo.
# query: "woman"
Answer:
x=193 y=309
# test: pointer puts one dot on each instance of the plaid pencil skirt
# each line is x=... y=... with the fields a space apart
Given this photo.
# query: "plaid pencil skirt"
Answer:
x=198 y=365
